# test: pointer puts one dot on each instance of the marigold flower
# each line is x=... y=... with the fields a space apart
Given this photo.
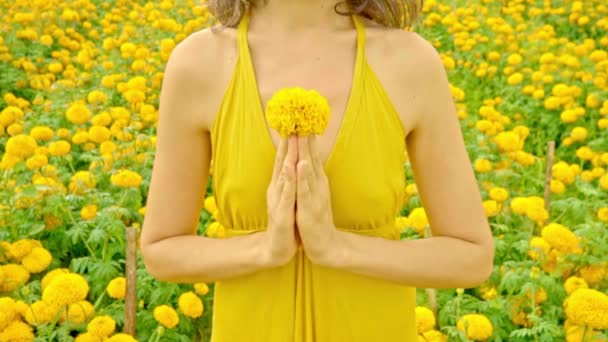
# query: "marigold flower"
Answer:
x=21 y=146
x=37 y=260
x=50 y=275
x=14 y=276
x=117 y=287
x=8 y=311
x=297 y=111
x=101 y=326
x=78 y=113
x=418 y=219
x=425 y=319
x=66 y=289
x=587 y=307
x=40 y=312
x=78 y=312
x=87 y=337
x=17 y=331
x=126 y=179
x=476 y=326
x=574 y=283
x=201 y=288
x=121 y=337
x=190 y=304
x=166 y=316
x=560 y=238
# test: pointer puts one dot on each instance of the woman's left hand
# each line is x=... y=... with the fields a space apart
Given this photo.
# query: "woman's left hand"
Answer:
x=314 y=217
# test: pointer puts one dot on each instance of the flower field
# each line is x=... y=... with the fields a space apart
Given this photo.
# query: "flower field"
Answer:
x=79 y=90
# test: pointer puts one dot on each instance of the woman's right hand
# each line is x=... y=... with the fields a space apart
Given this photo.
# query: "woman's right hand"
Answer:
x=280 y=236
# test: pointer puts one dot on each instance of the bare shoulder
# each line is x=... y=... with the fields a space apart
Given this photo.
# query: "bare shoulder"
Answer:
x=203 y=64
x=407 y=64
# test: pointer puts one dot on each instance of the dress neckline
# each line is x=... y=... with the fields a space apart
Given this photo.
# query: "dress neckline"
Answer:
x=244 y=62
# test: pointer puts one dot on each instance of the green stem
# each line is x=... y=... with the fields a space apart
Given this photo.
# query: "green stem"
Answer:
x=98 y=301
x=584 y=334
x=157 y=337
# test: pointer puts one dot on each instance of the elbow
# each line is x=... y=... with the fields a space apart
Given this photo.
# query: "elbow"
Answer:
x=485 y=264
x=149 y=258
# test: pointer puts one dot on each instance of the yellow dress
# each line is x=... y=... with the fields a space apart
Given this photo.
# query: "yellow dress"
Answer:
x=301 y=301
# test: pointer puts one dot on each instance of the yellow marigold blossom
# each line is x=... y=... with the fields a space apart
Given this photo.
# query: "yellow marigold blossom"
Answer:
x=14 y=277
x=66 y=289
x=81 y=181
x=557 y=187
x=602 y=214
x=562 y=172
x=59 y=148
x=476 y=326
x=87 y=337
x=121 y=337
x=126 y=178
x=50 y=275
x=604 y=182
x=508 y=141
x=418 y=219
x=579 y=133
x=216 y=230
x=594 y=274
x=96 y=97
x=491 y=207
x=17 y=331
x=433 y=336
x=298 y=111
x=43 y=133
x=425 y=319
x=101 y=326
x=574 y=283
x=560 y=238
x=587 y=307
x=78 y=113
x=489 y=293
x=36 y=161
x=538 y=245
x=482 y=165
x=9 y=115
x=190 y=304
x=88 y=212
x=499 y=194
x=201 y=288
x=99 y=134
x=117 y=287
x=20 y=248
x=8 y=311
x=210 y=204
x=80 y=137
x=78 y=312
x=21 y=146
x=40 y=312
x=37 y=260
x=166 y=316
x=515 y=78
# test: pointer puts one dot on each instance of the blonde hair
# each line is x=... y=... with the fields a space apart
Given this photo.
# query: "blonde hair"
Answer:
x=390 y=13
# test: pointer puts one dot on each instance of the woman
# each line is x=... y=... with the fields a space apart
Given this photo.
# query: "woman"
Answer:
x=311 y=250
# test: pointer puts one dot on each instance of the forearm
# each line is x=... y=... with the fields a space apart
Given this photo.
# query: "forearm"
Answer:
x=434 y=262
x=194 y=258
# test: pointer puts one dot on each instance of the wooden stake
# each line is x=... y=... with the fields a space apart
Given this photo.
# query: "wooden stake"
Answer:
x=432 y=293
x=131 y=270
x=548 y=175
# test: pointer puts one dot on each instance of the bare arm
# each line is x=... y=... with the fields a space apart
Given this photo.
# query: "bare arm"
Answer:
x=460 y=253
x=171 y=249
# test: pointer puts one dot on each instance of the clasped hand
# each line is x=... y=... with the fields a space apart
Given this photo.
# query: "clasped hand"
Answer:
x=300 y=203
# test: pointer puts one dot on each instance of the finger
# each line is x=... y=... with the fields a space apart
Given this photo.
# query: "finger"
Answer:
x=291 y=157
x=288 y=189
x=304 y=152
x=303 y=179
x=315 y=153
x=278 y=162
